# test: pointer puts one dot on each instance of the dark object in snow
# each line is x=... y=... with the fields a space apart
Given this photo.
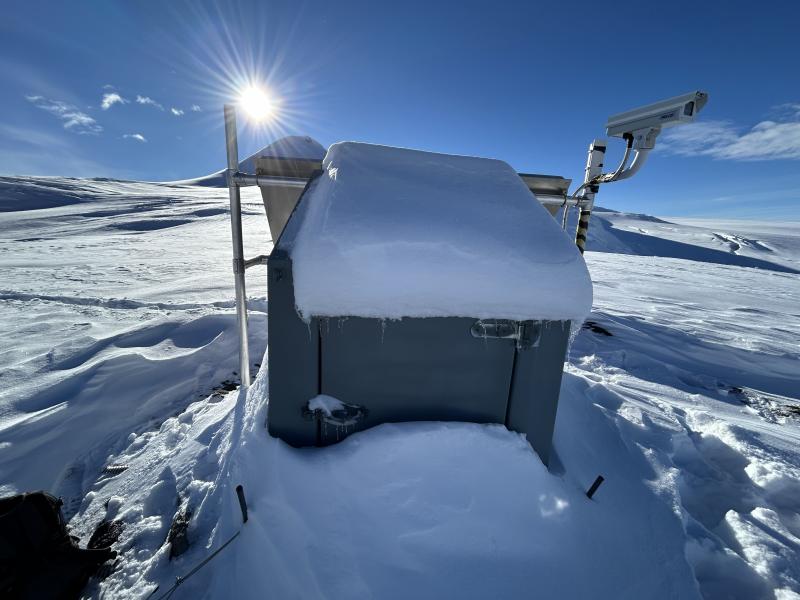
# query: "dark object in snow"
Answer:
x=768 y=406
x=595 y=328
x=242 y=502
x=590 y=492
x=106 y=569
x=106 y=534
x=177 y=536
x=228 y=385
x=38 y=558
x=187 y=515
x=114 y=470
x=789 y=410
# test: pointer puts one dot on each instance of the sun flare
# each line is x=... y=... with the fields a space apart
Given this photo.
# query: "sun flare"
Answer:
x=257 y=103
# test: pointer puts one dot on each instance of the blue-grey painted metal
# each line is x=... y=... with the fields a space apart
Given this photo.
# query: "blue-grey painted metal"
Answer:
x=535 y=387
x=413 y=369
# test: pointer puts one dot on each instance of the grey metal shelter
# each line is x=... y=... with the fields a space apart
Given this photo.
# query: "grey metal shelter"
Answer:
x=433 y=368
x=412 y=369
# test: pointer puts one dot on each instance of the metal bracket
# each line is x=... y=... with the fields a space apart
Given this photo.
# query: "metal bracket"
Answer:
x=530 y=334
x=261 y=259
x=526 y=333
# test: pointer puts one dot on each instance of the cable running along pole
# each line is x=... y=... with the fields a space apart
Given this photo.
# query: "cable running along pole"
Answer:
x=594 y=168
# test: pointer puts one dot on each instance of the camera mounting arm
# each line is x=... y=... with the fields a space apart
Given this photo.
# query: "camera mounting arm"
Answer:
x=639 y=128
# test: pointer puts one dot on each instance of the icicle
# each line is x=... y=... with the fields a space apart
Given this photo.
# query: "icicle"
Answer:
x=383 y=330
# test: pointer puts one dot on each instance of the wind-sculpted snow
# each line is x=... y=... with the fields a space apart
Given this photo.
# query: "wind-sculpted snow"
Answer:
x=626 y=233
x=684 y=393
x=59 y=437
x=108 y=330
x=706 y=383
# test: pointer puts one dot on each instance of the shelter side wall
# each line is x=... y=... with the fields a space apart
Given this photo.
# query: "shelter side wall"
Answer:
x=536 y=386
x=293 y=358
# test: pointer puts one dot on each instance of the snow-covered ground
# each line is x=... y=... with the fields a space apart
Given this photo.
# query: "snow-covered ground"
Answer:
x=116 y=315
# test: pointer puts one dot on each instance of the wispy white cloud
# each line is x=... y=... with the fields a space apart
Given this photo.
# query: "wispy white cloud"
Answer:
x=110 y=99
x=768 y=140
x=28 y=151
x=135 y=136
x=148 y=101
x=790 y=110
x=74 y=120
x=196 y=108
x=176 y=111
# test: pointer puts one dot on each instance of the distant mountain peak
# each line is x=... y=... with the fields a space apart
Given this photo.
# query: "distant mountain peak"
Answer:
x=292 y=146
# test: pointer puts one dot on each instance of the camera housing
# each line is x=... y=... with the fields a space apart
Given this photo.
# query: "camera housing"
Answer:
x=645 y=123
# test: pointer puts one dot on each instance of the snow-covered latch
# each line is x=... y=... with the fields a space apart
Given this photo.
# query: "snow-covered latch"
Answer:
x=334 y=411
x=326 y=410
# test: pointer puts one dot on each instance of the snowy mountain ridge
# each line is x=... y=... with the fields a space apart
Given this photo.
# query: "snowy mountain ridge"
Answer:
x=116 y=307
x=293 y=146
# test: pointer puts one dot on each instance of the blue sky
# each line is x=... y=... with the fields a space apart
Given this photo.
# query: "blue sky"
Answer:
x=530 y=83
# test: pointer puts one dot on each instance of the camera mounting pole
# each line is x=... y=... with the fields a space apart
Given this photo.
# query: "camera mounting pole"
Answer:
x=594 y=168
x=639 y=128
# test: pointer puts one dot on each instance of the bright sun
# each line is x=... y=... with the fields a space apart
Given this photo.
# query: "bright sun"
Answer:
x=256 y=103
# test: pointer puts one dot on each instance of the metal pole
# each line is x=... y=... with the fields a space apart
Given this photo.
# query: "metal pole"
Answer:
x=594 y=167
x=231 y=146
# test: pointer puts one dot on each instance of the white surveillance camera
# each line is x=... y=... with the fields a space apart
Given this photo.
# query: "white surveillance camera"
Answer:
x=644 y=124
x=639 y=128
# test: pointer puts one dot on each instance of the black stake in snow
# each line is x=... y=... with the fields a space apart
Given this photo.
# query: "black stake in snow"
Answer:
x=242 y=502
x=591 y=490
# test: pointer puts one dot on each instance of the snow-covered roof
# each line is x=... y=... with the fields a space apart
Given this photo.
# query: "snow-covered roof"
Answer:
x=391 y=233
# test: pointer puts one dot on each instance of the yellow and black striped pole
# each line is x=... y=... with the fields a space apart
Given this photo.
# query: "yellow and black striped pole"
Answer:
x=594 y=167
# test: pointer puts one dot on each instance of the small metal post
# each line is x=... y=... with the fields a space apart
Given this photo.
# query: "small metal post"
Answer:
x=242 y=502
x=594 y=167
x=590 y=492
x=231 y=146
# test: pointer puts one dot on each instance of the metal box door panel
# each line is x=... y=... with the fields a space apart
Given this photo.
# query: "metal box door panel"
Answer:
x=536 y=385
x=415 y=370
